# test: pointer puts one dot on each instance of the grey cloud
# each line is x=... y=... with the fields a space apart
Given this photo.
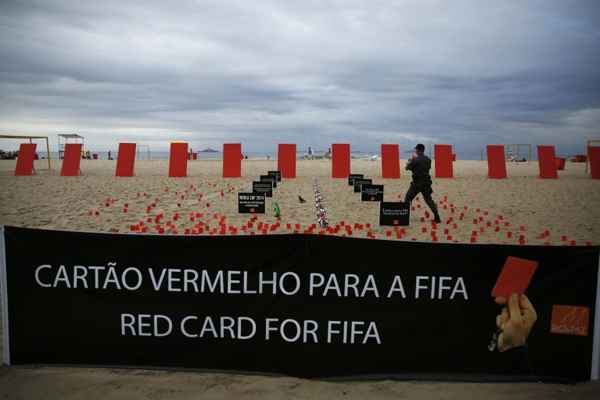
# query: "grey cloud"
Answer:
x=313 y=73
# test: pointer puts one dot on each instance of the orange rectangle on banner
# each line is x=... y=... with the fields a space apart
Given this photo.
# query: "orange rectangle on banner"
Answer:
x=496 y=161
x=570 y=320
x=340 y=160
x=286 y=160
x=125 y=160
x=232 y=160
x=443 y=160
x=178 y=160
x=594 y=157
x=25 y=159
x=390 y=161
x=72 y=160
x=546 y=162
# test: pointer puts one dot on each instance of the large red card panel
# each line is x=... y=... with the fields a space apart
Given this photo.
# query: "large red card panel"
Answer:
x=546 y=162
x=340 y=160
x=390 y=161
x=443 y=160
x=232 y=160
x=25 y=160
x=72 y=160
x=496 y=161
x=125 y=160
x=178 y=159
x=286 y=160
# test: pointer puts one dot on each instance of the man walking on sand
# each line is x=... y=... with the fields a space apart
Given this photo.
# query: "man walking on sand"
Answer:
x=419 y=164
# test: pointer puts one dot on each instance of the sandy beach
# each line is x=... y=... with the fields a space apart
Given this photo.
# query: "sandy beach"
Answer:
x=522 y=209
x=558 y=212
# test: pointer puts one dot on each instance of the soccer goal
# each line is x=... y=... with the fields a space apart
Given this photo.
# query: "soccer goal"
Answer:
x=518 y=152
x=31 y=138
x=143 y=152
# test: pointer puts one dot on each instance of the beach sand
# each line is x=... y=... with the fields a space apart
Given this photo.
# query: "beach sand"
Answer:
x=112 y=384
x=528 y=209
x=559 y=212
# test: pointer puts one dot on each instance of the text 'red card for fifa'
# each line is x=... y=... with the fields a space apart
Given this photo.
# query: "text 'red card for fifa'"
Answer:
x=514 y=277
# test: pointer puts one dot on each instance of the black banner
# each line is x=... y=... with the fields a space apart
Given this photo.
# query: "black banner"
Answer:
x=265 y=188
x=394 y=213
x=352 y=177
x=249 y=203
x=371 y=192
x=303 y=305
x=269 y=178
x=359 y=182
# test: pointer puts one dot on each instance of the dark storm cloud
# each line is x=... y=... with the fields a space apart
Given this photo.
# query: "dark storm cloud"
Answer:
x=311 y=72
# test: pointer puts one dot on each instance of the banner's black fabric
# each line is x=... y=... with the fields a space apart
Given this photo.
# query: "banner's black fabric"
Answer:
x=445 y=335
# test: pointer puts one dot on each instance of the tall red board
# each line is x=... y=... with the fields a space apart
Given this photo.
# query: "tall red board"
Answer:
x=546 y=162
x=25 y=160
x=594 y=157
x=390 y=161
x=125 y=160
x=340 y=160
x=443 y=160
x=496 y=161
x=232 y=160
x=178 y=159
x=72 y=160
x=286 y=160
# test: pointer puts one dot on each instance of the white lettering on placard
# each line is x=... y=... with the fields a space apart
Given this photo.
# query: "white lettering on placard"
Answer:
x=241 y=282
x=320 y=284
x=241 y=328
x=426 y=285
x=351 y=332
x=61 y=276
x=79 y=274
x=244 y=328
x=90 y=277
x=396 y=287
x=111 y=277
x=37 y=275
x=291 y=330
x=205 y=280
x=146 y=325
x=138 y=278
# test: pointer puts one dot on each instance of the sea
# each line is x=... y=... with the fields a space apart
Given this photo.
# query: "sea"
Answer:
x=144 y=154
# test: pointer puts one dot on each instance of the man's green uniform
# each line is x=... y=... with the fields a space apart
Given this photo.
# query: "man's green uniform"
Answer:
x=421 y=182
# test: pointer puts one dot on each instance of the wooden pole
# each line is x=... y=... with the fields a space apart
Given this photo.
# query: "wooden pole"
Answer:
x=48 y=151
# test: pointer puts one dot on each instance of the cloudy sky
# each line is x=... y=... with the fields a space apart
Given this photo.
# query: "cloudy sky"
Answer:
x=466 y=73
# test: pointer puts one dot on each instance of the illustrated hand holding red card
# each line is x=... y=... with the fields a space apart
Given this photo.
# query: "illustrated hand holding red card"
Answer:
x=514 y=277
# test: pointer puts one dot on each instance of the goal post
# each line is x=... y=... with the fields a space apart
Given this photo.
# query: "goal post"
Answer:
x=31 y=138
x=516 y=152
x=141 y=149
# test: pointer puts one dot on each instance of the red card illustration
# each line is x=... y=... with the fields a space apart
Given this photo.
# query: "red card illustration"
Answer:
x=515 y=277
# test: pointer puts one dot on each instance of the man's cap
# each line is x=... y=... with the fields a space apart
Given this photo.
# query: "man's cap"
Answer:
x=420 y=147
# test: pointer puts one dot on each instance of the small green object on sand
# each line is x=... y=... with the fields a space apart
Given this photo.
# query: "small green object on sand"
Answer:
x=276 y=209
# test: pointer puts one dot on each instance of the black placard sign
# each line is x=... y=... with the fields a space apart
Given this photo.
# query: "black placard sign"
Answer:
x=371 y=192
x=249 y=203
x=308 y=305
x=352 y=177
x=263 y=187
x=358 y=182
x=276 y=174
x=269 y=178
x=394 y=213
